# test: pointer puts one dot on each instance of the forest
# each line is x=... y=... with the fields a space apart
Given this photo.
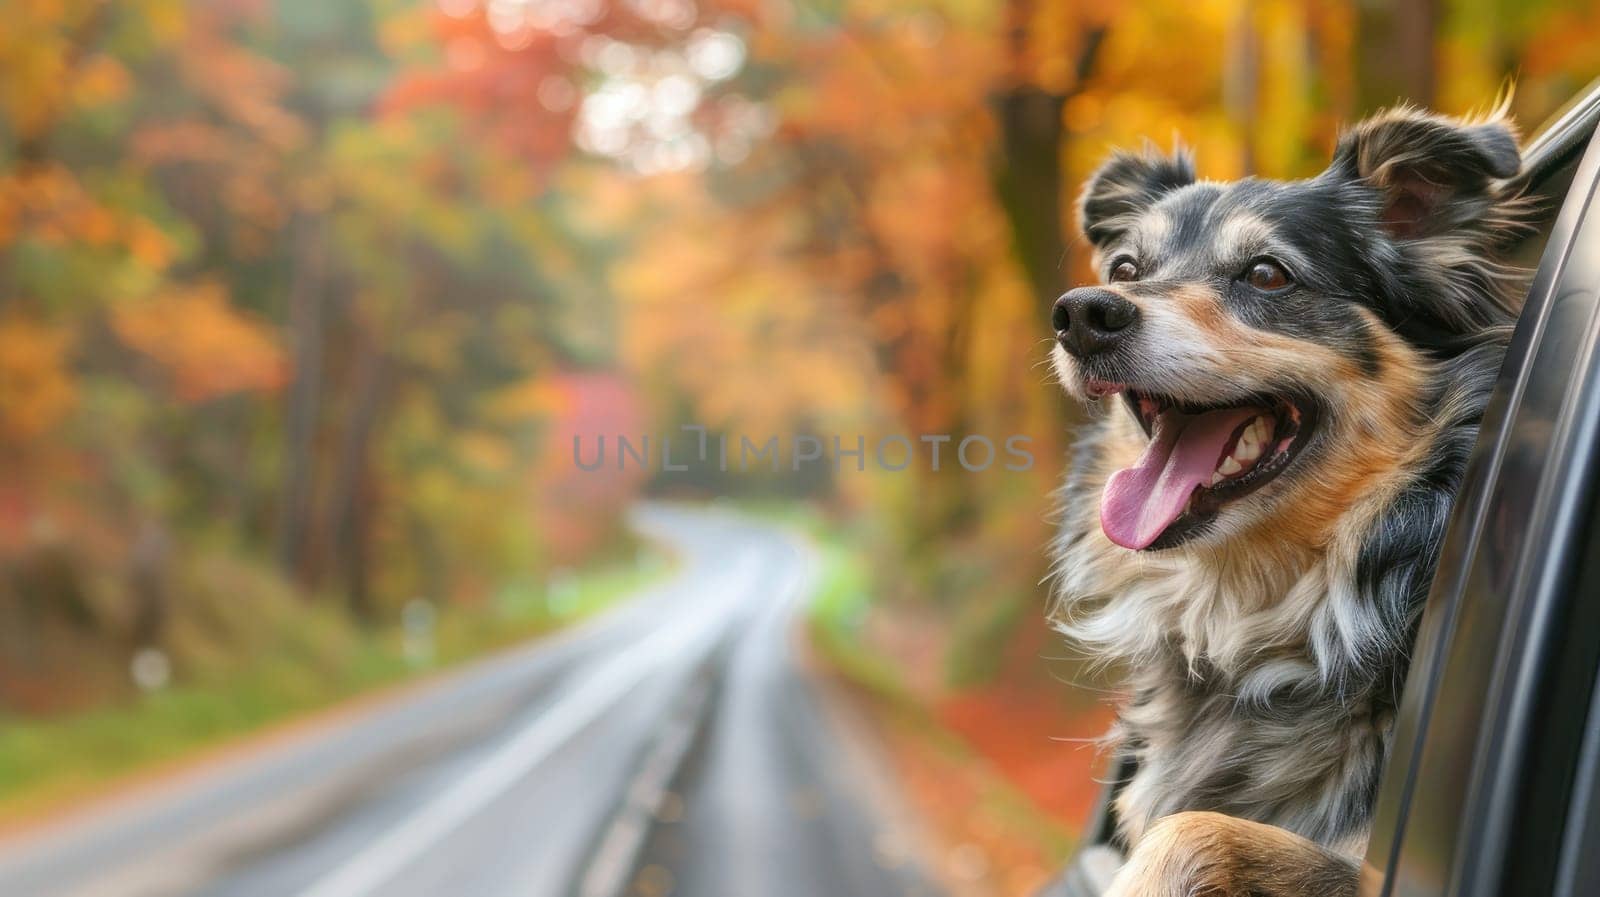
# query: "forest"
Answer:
x=306 y=308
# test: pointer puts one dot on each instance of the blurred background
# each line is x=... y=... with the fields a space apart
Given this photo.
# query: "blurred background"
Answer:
x=312 y=313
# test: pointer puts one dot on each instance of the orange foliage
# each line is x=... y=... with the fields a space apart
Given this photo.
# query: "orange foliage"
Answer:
x=503 y=86
x=49 y=203
x=207 y=347
x=36 y=388
x=1042 y=733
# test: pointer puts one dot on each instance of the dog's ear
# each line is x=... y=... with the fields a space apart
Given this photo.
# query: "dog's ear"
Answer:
x=1434 y=173
x=1127 y=184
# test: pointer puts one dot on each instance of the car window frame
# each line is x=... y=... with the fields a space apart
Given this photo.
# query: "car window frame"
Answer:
x=1489 y=635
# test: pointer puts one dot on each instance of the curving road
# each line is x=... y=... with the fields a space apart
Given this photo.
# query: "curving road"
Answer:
x=674 y=746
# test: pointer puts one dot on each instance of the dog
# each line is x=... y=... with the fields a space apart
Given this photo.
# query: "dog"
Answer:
x=1285 y=381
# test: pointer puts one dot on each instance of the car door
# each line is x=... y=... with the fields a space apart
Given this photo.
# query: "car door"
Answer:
x=1496 y=759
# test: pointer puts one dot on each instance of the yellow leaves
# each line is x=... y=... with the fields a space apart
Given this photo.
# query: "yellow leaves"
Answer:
x=533 y=398
x=1550 y=48
x=150 y=245
x=204 y=345
x=32 y=64
x=750 y=335
x=51 y=66
x=36 y=389
x=100 y=81
x=1285 y=95
x=1260 y=89
x=1053 y=36
x=486 y=452
x=166 y=20
x=405 y=32
x=612 y=198
x=845 y=294
x=50 y=204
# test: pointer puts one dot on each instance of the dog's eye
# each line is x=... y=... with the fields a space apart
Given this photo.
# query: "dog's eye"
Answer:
x=1124 y=270
x=1267 y=276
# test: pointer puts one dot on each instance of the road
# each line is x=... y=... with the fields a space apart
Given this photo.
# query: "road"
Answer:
x=674 y=746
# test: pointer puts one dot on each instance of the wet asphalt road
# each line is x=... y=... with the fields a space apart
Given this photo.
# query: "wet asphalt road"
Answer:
x=674 y=746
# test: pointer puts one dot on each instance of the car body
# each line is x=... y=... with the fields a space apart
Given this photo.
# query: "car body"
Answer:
x=1493 y=783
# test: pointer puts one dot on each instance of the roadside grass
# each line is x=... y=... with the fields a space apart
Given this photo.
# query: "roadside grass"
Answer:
x=310 y=658
x=969 y=800
x=838 y=616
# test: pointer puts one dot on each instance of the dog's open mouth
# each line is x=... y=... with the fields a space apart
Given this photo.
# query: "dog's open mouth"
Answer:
x=1199 y=459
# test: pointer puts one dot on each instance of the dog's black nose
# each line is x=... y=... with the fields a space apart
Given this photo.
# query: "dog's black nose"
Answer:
x=1091 y=320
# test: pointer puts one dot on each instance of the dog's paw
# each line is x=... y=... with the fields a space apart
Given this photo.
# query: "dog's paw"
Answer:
x=1199 y=854
x=1137 y=883
x=1172 y=859
x=1157 y=869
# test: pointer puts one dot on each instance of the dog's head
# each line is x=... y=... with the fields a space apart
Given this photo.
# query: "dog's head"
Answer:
x=1277 y=342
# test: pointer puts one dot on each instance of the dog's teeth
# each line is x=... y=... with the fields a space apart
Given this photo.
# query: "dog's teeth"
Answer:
x=1260 y=429
x=1253 y=440
x=1264 y=428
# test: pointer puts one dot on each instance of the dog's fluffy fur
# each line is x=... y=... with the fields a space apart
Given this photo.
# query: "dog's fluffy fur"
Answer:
x=1264 y=655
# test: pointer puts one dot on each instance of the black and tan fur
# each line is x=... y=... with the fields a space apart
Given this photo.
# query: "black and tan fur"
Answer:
x=1264 y=655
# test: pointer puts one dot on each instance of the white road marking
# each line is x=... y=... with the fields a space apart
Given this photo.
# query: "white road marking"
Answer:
x=625 y=836
x=383 y=859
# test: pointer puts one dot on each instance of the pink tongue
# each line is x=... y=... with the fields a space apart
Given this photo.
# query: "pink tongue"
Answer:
x=1142 y=501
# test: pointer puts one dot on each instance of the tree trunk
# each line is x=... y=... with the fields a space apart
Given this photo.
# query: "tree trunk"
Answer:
x=148 y=582
x=300 y=424
x=1028 y=181
x=1395 y=53
x=1027 y=171
x=1241 y=84
x=351 y=490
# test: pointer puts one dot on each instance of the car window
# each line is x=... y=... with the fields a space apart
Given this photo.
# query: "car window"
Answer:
x=1548 y=196
x=1484 y=657
x=1551 y=160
